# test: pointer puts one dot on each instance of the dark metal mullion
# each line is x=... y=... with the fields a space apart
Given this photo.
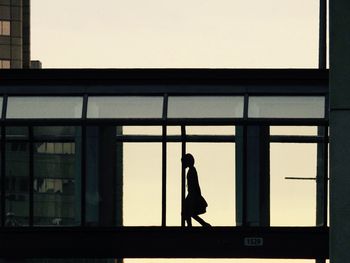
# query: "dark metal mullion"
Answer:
x=4 y=108
x=83 y=177
x=322 y=64
x=183 y=174
x=83 y=164
x=245 y=162
x=3 y=162
x=3 y=174
x=245 y=107
x=322 y=45
x=216 y=138
x=325 y=177
x=245 y=174
x=31 y=176
x=164 y=160
x=326 y=108
x=41 y=140
x=171 y=121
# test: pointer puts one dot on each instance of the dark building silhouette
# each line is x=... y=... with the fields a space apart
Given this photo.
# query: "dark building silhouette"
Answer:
x=15 y=34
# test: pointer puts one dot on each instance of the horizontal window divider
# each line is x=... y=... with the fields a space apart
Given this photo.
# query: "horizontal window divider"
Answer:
x=9 y=192
x=42 y=122
x=176 y=138
x=139 y=138
x=126 y=121
x=53 y=140
x=204 y=121
x=295 y=139
x=210 y=138
x=52 y=193
x=56 y=140
x=23 y=139
x=168 y=122
x=287 y=121
x=158 y=86
x=217 y=138
x=36 y=177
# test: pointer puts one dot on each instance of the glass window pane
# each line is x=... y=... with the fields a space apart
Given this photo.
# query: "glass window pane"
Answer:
x=208 y=156
x=286 y=107
x=16 y=133
x=6 y=28
x=142 y=130
x=215 y=165
x=205 y=107
x=173 y=187
x=1 y=101
x=6 y=64
x=125 y=107
x=55 y=132
x=293 y=130
x=142 y=186
x=56 y=184
x=173 y=130
x=44 y=107
x=17 y=184
x=104 y=176
x=293 y=201
x=210 y=130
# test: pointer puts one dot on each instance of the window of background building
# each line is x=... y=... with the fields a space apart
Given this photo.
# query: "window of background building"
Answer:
x=5 y=64
x=5 y=28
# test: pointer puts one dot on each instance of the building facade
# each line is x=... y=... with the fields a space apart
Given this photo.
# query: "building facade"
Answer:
x=14 y=34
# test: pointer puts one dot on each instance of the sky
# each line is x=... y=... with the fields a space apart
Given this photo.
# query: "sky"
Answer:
x=190 y=34
x=173 y=34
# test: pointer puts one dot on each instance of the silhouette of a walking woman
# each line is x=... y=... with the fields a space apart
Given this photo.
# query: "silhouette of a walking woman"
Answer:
x=194 y=204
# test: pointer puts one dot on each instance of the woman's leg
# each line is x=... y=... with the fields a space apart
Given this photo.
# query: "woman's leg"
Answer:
x=201 y=221
x=188 y=221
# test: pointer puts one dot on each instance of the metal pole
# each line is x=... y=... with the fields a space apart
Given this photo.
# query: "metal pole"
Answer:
x=322 y=55
x=164 y=179
x=183 y=173
x=164 y=160
x=322 y=149
x=31 y=176
x=3 y=163
x=83 y=165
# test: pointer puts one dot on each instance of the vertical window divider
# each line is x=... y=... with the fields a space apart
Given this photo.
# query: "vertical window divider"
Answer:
x=183 y=173
x=245 y=166
x=83 y=163
x=3 y=161
x=325 y=176
x=326 y=107
x=164 y=159
x=322 y=46
x=31 y=176
x=245 y=107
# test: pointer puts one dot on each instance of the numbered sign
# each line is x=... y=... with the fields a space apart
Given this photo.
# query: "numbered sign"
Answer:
x=253 y=241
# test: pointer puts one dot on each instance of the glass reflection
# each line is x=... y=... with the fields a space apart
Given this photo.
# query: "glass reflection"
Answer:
x=57 y=175
x=55 y=184
x=17 y=184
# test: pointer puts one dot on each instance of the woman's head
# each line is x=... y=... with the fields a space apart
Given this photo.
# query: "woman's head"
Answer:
x=188 y=160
